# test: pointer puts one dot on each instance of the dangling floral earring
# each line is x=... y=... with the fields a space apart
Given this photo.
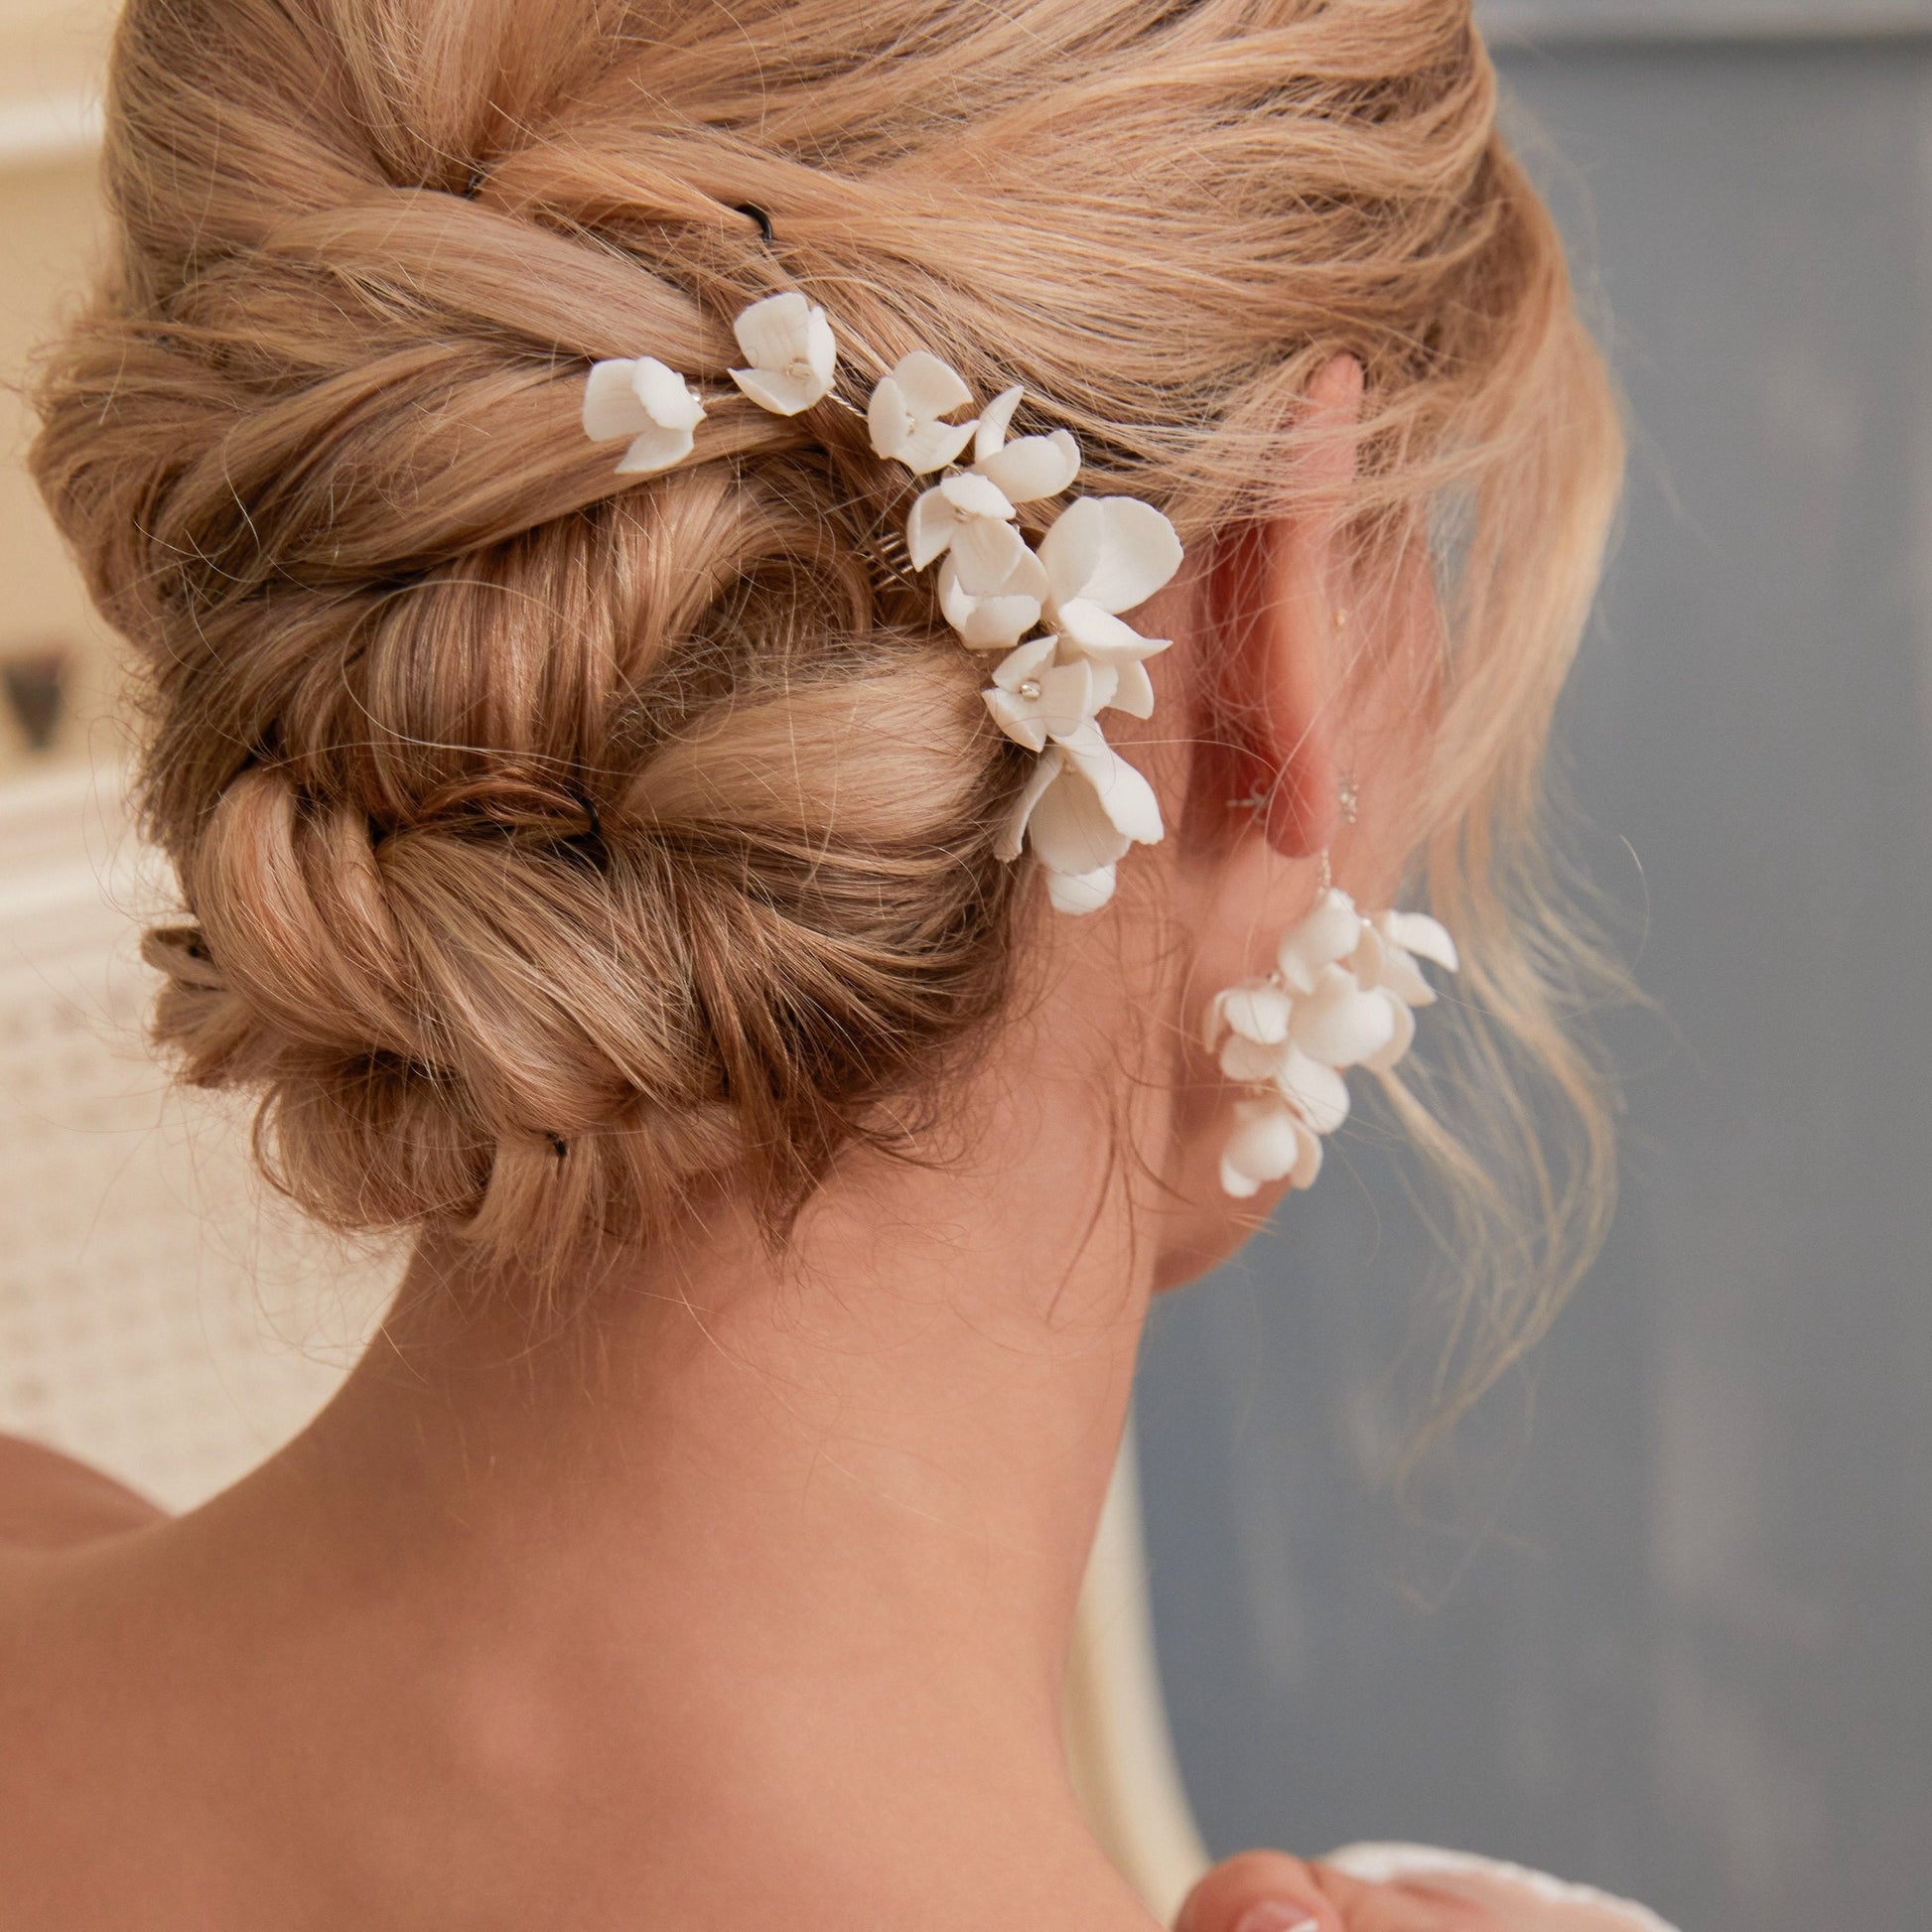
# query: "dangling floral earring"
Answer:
x=1342 y=994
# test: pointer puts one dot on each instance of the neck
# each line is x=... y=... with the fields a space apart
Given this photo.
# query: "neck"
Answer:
x=756 y=1542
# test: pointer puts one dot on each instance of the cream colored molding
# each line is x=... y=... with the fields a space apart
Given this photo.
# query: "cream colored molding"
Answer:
x=1120 y=1750
x=53 y=57
x=60 y=127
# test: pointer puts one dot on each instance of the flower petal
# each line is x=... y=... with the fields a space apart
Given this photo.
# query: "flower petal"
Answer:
x=1318 y=1091
x=992 y=622
x=888 y=419
x=1133 y=690
x=1045 y=774
x=1124 y=794
x=930 y=528
x=774 y=330
x=1062 y=700
x=1115 y=551
x=792 y=351
x=1034 y=466
x=1101 y=634
x=1416 y=932
x=1080 y=891
x=1020 y=719
x=612 y=404
x=1213 y=1022
x=931 y=445
x=1071 y=828
x=1270 y=1141
x=976 y=497
x=997 y=619
x=1340 y=1023
x=903 y=416
x=1235 y=1184
x=1264 y=1145
x=994 y=419
x=1069 y=698
x=655 y=446
x=1308 y=1169
x=1366 y=962
x=1251 y=1061
x=1329 y=932
x=821 y=349
x=783 y=395
x=1402 y=1039
x=1403 y=978
x=1257 y=1009
x=1028 y=660
x=927 y=386
x=985 y=553
x=667 y=398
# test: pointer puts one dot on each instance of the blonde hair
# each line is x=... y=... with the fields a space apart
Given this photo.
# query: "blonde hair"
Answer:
x=552 y=840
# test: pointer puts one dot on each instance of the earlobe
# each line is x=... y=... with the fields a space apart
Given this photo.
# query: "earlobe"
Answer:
x=1278 y=603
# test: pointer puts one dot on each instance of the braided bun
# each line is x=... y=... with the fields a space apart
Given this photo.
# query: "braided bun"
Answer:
x=551 y=840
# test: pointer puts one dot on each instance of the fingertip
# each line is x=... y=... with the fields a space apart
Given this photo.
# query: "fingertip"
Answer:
x=1259 y=1892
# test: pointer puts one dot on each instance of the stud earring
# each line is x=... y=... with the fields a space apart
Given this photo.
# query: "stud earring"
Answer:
x=1342 y=993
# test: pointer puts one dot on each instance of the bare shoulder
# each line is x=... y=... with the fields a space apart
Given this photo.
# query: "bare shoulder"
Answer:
x=48 y=1501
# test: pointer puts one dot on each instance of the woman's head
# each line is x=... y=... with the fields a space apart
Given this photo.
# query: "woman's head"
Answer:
x=556 y=843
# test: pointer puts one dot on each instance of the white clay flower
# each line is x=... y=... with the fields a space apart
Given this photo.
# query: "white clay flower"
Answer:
x=968 y=519
x=1081 y=809
x=1084 y=805
x=1080 y=891
x=1033 y=699
x=1270 y=1141
x=991 y=588
x=792 y=350
x=1329 y=930
x=1105 y=555
x=1341 y=994
x=647 y=402
x=997 y=615
x=1343 y=1022
x=1315 y=1089
x=908 y=407
x=1030 y=468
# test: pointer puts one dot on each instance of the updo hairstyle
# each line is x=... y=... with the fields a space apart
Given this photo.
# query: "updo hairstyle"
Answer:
x=553 y=843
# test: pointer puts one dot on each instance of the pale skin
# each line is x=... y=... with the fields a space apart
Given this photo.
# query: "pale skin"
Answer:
x=742 y=1599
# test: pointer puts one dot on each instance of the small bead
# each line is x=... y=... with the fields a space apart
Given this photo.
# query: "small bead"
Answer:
x=1029 y=689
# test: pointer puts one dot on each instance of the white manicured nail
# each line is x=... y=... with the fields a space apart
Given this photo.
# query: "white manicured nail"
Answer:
x=1276 y=1916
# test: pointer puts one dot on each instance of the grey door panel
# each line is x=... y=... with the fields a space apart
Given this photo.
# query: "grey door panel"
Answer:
x=1693 y=1660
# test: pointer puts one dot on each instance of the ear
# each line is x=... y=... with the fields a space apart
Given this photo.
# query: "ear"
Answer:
x=1276 y=594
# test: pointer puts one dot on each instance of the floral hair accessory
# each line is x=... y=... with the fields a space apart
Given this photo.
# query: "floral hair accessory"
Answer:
x=1053 y=612
x=1342 y=994
x=647 y=402
x=791 y=350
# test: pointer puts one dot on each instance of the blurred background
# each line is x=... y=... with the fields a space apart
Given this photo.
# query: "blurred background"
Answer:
x=1674 y=1634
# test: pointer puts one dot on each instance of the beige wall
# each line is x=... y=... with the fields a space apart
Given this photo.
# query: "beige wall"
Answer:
x=50 y=236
